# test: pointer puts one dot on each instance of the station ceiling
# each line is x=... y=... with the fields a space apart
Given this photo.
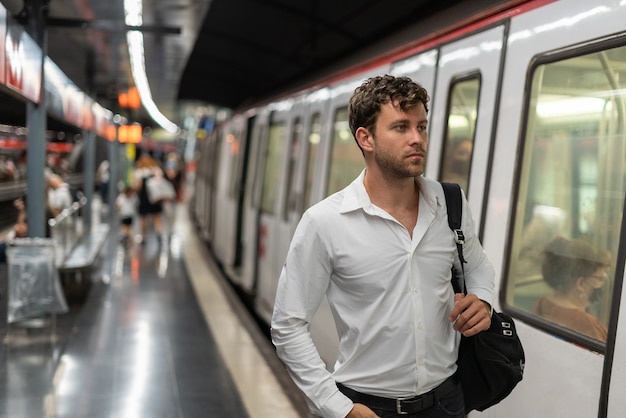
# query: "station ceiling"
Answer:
x=228 y=53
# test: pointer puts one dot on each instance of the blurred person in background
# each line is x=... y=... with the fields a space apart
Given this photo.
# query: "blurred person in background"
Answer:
x=174 y=173
x=145 y=168
x=126 y=203
x=102 y=181
x=58 y=193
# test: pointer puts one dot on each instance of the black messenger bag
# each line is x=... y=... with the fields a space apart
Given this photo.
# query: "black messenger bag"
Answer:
x=491 y=363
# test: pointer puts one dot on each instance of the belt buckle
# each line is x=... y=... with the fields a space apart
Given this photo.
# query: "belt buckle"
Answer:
x=399 y=410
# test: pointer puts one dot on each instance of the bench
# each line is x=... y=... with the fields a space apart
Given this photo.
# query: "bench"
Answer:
x=77 y=250
x=84 y=254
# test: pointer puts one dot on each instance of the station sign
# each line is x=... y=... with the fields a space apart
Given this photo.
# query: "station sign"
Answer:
x=23 y=61
x=22 y=67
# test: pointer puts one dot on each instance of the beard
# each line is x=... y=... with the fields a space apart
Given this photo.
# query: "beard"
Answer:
x=398 y=166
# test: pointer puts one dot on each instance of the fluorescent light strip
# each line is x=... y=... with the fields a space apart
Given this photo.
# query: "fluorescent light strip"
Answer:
x=133 y=11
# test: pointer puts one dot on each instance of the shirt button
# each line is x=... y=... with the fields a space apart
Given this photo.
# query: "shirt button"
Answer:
x=420 y=326
x=421 y=362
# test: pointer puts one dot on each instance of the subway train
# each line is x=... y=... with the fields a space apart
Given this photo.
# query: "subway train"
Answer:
x=527 y=112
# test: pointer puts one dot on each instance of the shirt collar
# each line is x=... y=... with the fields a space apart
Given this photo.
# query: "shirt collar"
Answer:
x=355 y=196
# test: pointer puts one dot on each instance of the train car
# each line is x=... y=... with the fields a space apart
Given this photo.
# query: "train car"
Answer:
x=528 y=114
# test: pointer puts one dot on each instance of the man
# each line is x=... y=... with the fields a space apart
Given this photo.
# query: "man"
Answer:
x=381 y=250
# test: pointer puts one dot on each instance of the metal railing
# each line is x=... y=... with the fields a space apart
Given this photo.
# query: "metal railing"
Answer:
x=66 y=229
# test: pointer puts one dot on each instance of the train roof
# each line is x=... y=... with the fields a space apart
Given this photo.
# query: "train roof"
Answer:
x=230 y=53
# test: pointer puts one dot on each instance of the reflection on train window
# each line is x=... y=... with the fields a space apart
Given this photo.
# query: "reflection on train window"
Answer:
x=315 y=135
x=346 y=161
x=272 y=166
x=294 y=151
x=571 y=193
x=459 y=139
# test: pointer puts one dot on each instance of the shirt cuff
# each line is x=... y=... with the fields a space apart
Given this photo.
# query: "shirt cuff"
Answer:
x=337 y=406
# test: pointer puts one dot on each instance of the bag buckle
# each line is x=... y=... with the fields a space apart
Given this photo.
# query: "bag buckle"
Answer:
x=459 y=237
x=399 y=410
x=506 y=329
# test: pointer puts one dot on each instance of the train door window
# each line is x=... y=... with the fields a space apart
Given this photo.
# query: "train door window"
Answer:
x=234 y=144
x=315 y=135
x=346 y=160
x=566 y=227
x=459 y=138
x=252 y=197
x=294 y=153
x=271 y=168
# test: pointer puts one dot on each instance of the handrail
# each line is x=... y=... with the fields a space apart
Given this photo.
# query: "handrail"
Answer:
x=66 y=229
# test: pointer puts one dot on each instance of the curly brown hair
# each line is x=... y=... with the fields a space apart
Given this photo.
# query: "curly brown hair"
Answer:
x=365 y=103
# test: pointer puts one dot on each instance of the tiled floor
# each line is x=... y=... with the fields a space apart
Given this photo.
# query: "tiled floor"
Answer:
x=157 y=337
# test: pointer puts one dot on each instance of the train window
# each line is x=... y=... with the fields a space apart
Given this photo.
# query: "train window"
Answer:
x=459 y=139
x=346 y=160
x=272 y=166
x=253 y=185
x=234 y=144
x=315 y=135
x=571 y=194
x=294 y=153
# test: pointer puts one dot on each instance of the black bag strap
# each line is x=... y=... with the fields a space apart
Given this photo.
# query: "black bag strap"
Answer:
x=454 y=204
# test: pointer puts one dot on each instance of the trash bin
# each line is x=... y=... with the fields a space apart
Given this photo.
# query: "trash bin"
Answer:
x=34 y=287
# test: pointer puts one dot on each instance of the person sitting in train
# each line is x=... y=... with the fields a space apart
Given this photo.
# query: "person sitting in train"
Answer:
x=577 y=273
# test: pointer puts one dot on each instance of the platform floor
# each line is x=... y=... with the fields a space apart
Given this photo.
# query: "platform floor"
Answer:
x=161 y=334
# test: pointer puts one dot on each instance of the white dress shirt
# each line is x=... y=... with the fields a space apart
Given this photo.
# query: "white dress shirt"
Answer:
x=390 y=295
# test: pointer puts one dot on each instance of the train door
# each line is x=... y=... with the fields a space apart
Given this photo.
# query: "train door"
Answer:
x=228 y=192
x=251 y=202
x=284 y=139
x=562 y=255
x=315 y=130
x=203 y=198
x=342 y=161
x=341 y=155
x=463 y=106
x=294 y=189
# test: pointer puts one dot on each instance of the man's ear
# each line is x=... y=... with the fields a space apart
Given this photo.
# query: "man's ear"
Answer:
x=364 y=138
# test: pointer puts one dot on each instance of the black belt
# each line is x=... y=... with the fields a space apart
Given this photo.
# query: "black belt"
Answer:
x=402 y=406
